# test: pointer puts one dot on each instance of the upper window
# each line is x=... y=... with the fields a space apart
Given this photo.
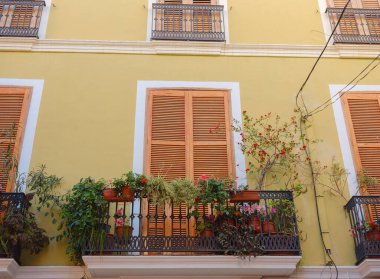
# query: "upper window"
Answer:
x=14 y=106
x=20 y=18
x=360 y=22
x=191 y=20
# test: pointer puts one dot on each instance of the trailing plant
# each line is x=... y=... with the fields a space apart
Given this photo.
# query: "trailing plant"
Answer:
x=239 y=240
x=81 y=215
x=183 y=191
x=157 y=190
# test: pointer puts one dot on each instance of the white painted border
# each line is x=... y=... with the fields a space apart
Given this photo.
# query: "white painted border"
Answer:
x=325 y=20
x=31 y=121
x=347 y=154
x=225 y=15
x=44 y=20
x=142 y=86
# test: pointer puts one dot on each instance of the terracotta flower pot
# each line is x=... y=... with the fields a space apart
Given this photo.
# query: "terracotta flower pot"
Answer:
x=255 y=222
x=268 y=227
x=245 y=196
x=207 y=232
x=128 y=194
x=109 y=194
x=373 y=235
x=124 y=231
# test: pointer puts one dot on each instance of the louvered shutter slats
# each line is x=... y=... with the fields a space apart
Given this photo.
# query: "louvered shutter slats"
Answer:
x=14 y=103
x=363 y=119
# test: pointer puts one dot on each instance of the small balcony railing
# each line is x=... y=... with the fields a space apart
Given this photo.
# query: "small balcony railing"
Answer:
x=9 y=204
x=20 y=18
x=357 y=26
x=174 y=229
x=364 y=214
x=188 y=22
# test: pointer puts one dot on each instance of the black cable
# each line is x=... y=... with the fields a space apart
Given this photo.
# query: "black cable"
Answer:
x=319 y=57
x=302 y=119
x=330 y=101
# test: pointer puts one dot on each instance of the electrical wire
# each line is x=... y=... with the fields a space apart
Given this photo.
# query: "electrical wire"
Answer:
x=331 y=100
x=319 y=58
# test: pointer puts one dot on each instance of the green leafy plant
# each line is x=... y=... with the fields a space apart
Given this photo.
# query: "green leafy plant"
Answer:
x=135 y=181
x=81 y=215
x=183 y=191
x=157 y=191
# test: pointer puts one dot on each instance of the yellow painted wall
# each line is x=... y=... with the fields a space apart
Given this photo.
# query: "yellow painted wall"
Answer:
x=259 y=21
x=86 y=119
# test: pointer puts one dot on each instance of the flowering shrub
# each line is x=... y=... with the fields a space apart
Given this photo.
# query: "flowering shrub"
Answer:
x=273 y=149
x=119 y=220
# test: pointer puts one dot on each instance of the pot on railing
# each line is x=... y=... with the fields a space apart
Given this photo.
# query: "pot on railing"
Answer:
x=245 y=196
x=126 y=195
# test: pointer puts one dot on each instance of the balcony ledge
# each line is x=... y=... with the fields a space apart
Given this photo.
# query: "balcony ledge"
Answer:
x=190 y=266
x=370 y=268
x=8 y=268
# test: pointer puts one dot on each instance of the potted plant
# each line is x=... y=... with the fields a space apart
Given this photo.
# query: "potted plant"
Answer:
x=214 y=191
x=371 y=230
x=157 y=191
x=183 y=191
x=205 y=227
x=118 y=190
x=242 y=194
x=250 y=213
x=122 y=227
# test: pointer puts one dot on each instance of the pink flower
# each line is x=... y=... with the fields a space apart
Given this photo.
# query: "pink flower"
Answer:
x=273 y=210
x=119 y=222
x=119 y=212
x=204 y=177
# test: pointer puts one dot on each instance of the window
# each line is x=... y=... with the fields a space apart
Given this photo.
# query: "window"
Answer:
x=14 y=105
x=360 y=22
x=188 y=134
x=195 y=20
x=362 y=113
x=20 y=18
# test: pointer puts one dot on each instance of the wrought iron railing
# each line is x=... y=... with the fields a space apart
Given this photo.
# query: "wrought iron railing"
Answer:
x=9 y=203
x=364 y=214
x=188 y=22
x=174 y=229
x=357 y=26
x=20 y=18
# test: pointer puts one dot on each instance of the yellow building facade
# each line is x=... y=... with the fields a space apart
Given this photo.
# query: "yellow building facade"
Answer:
x=89 y=69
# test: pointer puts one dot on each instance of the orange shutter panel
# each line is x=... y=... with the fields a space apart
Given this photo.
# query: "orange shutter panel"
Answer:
x=173 y=18
x=14 y=105
x=347 y=24
x=363 y=119
x=370 y=4
x=372 y=21
x=202 y=19
x=212 y=153
x=166 y=152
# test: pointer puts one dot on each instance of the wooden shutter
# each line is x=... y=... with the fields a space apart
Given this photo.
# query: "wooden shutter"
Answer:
x=347 y=24
x=373 y=22
x=14 y=105
x=202 y=19
x=179 y=144
x=173 y=18
x=363 y=120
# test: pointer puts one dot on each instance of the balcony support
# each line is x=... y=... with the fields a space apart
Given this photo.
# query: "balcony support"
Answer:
x=190 y=266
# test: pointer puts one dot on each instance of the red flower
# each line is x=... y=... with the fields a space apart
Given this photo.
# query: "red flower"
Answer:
x=204 y=177
x=283 y=152
x=143 y=180
x=371 y=224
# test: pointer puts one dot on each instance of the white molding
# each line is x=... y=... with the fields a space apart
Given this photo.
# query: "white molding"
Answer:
x=225 y=15
x=142 y=86
x=31 y=122
x=44 y=20
x=325 y=20
x=184 y=267
x=186 y=48
x=8 y=268
x=345 y=146
x=191 y=266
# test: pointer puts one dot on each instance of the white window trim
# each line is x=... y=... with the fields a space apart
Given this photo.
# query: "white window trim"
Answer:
x=31 y=121
x=44 y=20
x=225 y=15
x=325 y=20
x=344 y=140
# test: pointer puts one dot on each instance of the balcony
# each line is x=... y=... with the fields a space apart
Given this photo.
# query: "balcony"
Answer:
x=364 y=214
x=188 y=22
x=175 y=230
x=357 y=26
x=15 y=204
x=20 y=18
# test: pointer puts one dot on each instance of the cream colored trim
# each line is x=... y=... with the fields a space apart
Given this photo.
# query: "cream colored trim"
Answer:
x=186 y=48
x=167 y=267
x=193 y=266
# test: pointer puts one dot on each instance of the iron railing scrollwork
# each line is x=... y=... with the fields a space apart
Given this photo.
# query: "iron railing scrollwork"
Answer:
x=364 y=214
x=154 y=229
x=357 y=26
x=188 y=22
x=20 y=18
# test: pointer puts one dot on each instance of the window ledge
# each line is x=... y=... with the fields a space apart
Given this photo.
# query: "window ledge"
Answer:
x=190 y=266
x=370 y=268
